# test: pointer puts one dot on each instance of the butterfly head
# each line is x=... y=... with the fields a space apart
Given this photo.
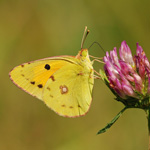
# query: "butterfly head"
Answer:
x=83 y=54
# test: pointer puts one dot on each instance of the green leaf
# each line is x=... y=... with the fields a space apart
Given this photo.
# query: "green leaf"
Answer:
x=112 y=122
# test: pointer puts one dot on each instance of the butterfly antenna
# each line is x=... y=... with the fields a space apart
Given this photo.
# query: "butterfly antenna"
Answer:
x=98 y=45
x=86 y=32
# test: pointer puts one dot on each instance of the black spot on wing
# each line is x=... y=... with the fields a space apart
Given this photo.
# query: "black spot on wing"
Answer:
x=40 y=85
x=32 y=82
x=47 y=66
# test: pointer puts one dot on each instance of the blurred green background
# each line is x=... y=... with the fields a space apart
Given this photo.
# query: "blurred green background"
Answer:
x=30 y=30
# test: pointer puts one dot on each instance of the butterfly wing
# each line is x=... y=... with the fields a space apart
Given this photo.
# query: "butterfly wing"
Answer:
x=69 y=92
x=32 y=77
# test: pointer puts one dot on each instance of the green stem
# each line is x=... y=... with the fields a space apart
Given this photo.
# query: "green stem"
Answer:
x=149 y=143
x=112 y=122
x=148 y=118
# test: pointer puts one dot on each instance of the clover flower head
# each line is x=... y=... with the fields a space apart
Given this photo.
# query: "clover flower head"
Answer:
x=128 y=76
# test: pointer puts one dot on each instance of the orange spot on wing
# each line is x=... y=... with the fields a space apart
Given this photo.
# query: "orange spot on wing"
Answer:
x=52 y=77
x=48 y=88
x=63 y=89
x=51 y=96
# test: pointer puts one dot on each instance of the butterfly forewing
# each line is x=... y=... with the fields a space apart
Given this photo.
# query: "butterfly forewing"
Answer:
x=32 y=76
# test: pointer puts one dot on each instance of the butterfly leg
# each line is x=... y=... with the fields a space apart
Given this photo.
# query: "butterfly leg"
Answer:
x=97 y=61
x=97 y=77
x=97 y=73
x=96 y=57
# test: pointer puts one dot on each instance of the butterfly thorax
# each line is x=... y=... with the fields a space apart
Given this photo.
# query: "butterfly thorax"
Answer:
x=84 y=60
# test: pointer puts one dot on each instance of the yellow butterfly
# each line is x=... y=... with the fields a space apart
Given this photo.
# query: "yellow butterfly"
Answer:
x=64 y=83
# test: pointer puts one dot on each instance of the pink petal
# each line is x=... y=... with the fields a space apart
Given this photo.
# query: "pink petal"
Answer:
x=125 y=53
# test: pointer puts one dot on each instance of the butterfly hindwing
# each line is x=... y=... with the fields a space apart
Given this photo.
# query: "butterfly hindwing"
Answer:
x=68 y=92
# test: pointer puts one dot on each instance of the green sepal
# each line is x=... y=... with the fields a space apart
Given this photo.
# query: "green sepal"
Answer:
x=103 y=76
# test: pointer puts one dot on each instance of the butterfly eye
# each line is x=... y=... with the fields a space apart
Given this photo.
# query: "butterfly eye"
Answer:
x=47 y=66
x=84 y=53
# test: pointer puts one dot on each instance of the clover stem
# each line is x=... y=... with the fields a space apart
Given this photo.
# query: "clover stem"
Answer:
x=149 y=143
x=148 y=118
x=149 y=129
